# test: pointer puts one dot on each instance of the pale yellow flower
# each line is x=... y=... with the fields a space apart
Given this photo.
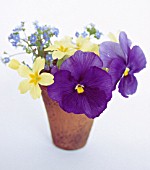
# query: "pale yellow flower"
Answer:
x=14 y=64
x=62 y=48
x=113 y=37
x=84 y=44
x=34 y=78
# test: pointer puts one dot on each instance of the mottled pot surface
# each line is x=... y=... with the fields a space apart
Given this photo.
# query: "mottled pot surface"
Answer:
x=69 y=131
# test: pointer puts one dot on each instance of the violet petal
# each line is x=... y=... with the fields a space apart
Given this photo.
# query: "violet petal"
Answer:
x=137 y=60
x=98 y=78
x=124 y=43
x=109 y=51
x=92 y=102
x=116 y=70
x=80 y=62
x=63 y=83
x=128 y=85
x=54 y=69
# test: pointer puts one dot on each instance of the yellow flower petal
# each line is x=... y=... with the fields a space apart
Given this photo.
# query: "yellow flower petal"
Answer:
x=58 y=54
x=84 y=44
x=71 y=52
x=38 y=65
x=14 y=64
x=24 y=86
x=35 y=91
x=112 y=37
x=51 y=48
x=95 y=49
x=24 y=71
x=46 y=79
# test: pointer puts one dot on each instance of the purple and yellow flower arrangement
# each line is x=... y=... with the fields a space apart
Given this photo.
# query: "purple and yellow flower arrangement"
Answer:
x=79 y=74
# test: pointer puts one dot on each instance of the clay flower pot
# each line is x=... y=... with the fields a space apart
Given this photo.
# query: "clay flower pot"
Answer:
x=69 y=131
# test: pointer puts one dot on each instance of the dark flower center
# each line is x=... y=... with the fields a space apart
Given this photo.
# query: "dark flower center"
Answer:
x=79 y=88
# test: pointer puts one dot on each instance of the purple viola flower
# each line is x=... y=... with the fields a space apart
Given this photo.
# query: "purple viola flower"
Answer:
x=54 y=69
x=81 y=86
x=123 y=62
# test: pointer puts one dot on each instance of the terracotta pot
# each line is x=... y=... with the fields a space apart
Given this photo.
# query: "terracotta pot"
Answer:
x=69 y=131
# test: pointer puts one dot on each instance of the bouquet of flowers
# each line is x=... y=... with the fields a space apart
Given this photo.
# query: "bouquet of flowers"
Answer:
x=79 y=74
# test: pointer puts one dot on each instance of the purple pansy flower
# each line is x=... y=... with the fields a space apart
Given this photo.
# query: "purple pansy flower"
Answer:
x=81 y=86
x=122 y=62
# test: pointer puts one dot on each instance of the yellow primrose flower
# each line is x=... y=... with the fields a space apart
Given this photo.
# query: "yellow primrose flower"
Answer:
x=62 y=48
x=113 y=37
x=34 y=78
x=84 y=44
x=14 y=64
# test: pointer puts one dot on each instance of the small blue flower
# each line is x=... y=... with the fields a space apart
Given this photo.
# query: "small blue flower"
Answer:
x=6 y=60
x=45 y=28
x=92 y=25
x=98 y=34
x=36 y=24
x=14 y=39
x=55 y=31
x=49 y=57
x=14 y=44
x=19 y=28
x=46 y=36
x=77 y=34
x=84 y=34
x=33 y=38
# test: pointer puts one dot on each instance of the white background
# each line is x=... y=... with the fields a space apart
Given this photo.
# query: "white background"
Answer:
x=120 y=137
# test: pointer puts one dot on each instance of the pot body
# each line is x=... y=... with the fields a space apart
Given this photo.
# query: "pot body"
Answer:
x=69 y=131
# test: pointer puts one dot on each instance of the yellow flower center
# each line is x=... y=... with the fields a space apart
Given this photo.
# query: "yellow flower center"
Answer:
x=106 y=69
x=62 y=49
x=78 y=46
x=126 y=72
x=35 y=78
x=79 y=88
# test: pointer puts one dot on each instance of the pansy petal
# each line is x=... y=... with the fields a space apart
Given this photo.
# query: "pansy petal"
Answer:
x=128 y=85
x=35 y=91
x=109 y=51
x=38 y=65
x=92 y=102
x=137 y=60
x=124 y=43
x=80 y=62
x=72 y=103
x=46 y=79
x=54 y=69
x=63 y=83
x=98 y=78
x=24 y=86
x=116 y=70
x=24 y=71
